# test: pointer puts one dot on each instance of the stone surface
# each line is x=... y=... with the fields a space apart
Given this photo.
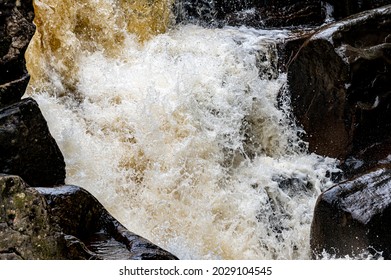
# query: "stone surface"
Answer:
x=65 y=222
x=344 y=8
x=27 y=148
x=354 y=218
x=288 y=48
x=25 y=232
x=259 y=14
x=16 y=31
x=279 y=13
x=339 y=82
x=91 y=232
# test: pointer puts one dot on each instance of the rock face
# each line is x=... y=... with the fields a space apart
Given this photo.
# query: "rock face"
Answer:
x=354 y=217
x=63 y=223
x=27 y=148
x=344 y=8
x=339 y=81
x=16 y=31
x=24 y=223
x=259 y=14
x=91 y=232
x=277 y=13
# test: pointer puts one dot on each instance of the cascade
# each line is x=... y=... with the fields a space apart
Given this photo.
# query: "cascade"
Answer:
x=182 y=131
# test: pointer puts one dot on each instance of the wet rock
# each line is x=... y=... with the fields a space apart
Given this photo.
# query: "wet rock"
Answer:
x=27 y=148
x=16 y=31
x=288 y=48
x=91 y=232
x=344 y=8
x=258 y=14
x=25 y=232
x=279 y=13
x=353 y=218
x=339 y=84
x=64 y=222
x=369 y=158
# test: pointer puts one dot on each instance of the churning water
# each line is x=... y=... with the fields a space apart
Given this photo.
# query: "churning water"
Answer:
x=182 y=132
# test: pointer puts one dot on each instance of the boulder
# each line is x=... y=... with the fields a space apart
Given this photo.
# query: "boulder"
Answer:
x=16 y=31
x=65 y=222
x=345 y=8
x=27 y=148
x=25 y=232
x=91 y=232
x=353 y=218
x=339 y=84
x=289 y=47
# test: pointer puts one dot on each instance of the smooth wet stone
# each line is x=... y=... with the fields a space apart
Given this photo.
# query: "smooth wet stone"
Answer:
x=27 y=148
x=339 y=84
x=64 y=222
x=353 y=218
x=91 y=232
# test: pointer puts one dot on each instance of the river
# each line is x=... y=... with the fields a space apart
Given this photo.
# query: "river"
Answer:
x=184 y=133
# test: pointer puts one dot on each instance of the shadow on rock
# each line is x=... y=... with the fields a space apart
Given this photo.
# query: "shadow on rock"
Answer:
x=64 y=222
x=91 y=232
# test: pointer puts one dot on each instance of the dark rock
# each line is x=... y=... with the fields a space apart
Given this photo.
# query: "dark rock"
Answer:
x=259 y=14
x=26 y=147
x=25 y=232
x=288 y=48
x=345 y=8
x=91 y=232
x=13 y=91
x=63 y=223
x=369 y=158
x=280 y=14
x=16 y=31
x=354 y=218
x=339 y=84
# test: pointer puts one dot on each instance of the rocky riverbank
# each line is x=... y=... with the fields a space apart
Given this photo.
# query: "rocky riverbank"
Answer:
x=338 y=67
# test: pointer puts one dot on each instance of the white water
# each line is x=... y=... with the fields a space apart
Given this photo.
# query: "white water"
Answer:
x=182 y=141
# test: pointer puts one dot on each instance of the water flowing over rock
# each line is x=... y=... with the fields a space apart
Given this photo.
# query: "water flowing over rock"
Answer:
x=339 y=82
x=91 y=232
x=65 y=222
x=280 y=14
x=353 y=218
x=258 y=14
x=27 y=148
x=16 y=31
x=201 y=132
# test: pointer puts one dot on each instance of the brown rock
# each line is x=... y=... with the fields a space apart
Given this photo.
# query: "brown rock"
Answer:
x=338 y=82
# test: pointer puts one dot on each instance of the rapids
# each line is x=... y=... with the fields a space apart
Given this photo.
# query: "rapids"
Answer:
x=184 y=133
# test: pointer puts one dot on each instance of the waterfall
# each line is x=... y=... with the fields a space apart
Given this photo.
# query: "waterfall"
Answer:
x=183 y=132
